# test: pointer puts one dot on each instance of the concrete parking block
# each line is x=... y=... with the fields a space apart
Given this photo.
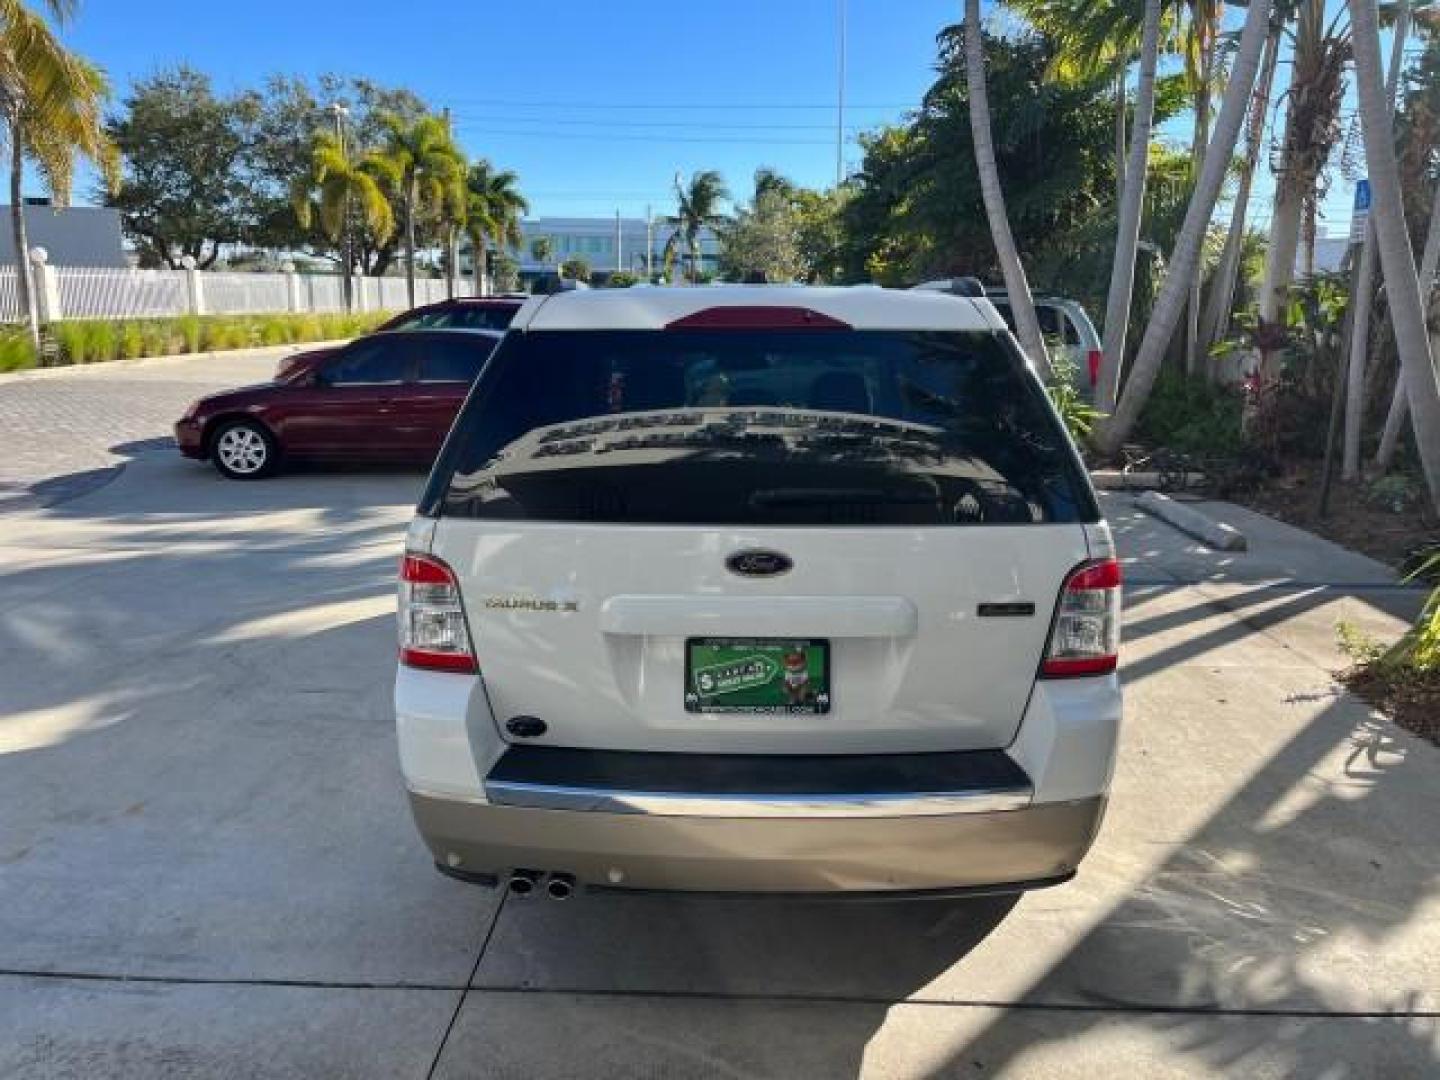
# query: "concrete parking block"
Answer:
x=71 y=1030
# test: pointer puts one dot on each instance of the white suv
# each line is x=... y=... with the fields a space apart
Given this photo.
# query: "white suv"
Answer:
x=774 y=590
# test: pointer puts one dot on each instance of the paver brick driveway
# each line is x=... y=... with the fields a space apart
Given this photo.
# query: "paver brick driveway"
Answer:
x=207 y=867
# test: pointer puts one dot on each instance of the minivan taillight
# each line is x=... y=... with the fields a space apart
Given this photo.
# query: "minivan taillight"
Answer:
x=1085 y=639
x=432 y=620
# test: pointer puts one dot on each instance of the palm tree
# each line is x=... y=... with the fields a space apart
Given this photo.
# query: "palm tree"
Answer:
x=1185 y=259
x=1312 y=127
x=541 y=248
x=1402 y=283
x=336 y=188
x=1364 y=290
x=698 y=209
x=426 y=170
x=1011 y=268
x=1400 y=401
x=493 y=211
x=1227 y=271
x=1132 y=204
x=51 y=109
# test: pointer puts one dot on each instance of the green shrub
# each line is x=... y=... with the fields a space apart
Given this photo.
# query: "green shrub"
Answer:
x=70 y=338
x=1193 y=416
x=190 y=335
x=1078 y=414
x=89 y=341
x=16 y=352
x=132 y=341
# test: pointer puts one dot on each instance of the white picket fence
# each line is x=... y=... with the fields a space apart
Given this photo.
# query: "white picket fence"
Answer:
x=68 y=292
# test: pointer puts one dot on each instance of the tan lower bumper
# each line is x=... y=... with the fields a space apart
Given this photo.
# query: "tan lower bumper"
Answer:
x=1025 y=847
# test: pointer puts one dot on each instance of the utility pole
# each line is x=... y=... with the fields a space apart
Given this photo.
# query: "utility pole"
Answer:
x=649 y=245
x=840 y=105
x=347 y=254
x=619 y=245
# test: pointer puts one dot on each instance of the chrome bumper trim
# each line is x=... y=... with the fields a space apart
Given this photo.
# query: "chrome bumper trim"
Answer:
x=696 y=804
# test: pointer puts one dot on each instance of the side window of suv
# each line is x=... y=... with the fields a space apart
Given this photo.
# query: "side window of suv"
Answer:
x=368 y=363
x=457 y=359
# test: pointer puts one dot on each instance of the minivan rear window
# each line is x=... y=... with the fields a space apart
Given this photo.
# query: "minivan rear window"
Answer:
x=774 y=427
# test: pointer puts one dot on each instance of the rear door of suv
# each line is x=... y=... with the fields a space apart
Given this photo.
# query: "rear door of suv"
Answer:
x=648 y=524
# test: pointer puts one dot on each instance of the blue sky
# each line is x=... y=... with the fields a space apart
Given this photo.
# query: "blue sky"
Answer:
x=595 y=105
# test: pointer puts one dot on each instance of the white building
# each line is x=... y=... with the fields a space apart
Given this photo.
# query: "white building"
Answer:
x=608 y=244
x=73 y=236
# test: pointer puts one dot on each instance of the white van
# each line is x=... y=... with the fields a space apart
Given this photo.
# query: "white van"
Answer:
x=758 y=589
x=1069 y=334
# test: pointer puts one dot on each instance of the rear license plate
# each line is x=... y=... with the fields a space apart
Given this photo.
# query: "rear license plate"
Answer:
x=757 y=675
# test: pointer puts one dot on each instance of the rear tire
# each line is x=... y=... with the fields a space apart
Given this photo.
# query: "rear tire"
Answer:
x=244 y=450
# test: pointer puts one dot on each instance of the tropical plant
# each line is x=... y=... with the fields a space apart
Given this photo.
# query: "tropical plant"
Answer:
x=697 y=209
x=1075 y=412
x=762 y=240
x=425 y=168
x=575 y=268
x=1011 y=269
x=541 y=249
x=338 y=190
x=621 y=279
x=1402 y=282
x=493 y=211
x=51 y=103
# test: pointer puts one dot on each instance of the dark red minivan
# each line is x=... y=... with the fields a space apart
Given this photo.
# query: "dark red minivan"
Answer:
x=387 y=397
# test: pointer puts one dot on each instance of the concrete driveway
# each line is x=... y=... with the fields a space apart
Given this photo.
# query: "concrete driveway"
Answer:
x=207 y=867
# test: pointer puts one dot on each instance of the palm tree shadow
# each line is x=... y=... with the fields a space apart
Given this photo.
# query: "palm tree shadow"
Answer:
x=1291 y=903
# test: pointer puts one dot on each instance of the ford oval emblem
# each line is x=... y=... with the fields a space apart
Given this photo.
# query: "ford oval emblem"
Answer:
x=759 y=562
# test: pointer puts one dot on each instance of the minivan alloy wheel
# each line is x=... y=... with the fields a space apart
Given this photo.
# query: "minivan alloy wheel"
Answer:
x=243 y=451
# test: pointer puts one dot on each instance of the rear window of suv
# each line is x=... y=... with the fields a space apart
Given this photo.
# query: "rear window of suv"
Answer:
x=746 y=427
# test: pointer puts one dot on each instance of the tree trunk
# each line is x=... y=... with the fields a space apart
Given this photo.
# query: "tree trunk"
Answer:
x=1197 y=157
x=1227 y=273
x=1011 y=269
x=1281 y=247
x=1402 y=283
x=452 y=259
x=1132 y=206
x=1120 y=143
x=24 y=283
x=1364 y=293
x=412 y=195
x=1400 y=401
x=1307 y=240
x=1185 y=260
x=479 y=259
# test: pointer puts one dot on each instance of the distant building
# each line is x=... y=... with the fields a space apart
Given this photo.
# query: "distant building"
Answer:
x=594 y=240
x=73 y=236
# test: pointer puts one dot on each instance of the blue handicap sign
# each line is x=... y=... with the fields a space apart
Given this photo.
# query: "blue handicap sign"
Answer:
x=1362 y=195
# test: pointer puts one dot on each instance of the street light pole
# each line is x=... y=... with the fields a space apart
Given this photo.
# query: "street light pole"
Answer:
x=840 y=105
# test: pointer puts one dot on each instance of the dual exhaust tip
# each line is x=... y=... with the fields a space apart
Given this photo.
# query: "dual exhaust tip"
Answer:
x=557 y=886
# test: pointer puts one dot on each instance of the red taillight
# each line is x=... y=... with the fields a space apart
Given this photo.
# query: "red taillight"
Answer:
x=1092 y=365
x=433 y=634
x=1085 y=639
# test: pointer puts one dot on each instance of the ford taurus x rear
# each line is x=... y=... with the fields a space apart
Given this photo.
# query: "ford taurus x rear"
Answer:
x=765 y=590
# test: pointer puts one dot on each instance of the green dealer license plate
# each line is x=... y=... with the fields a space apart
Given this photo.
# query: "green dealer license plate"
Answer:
x=757 y=675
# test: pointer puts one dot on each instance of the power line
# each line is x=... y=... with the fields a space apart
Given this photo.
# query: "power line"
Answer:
x=676 y=106
x=595 y=122
x=662 y=139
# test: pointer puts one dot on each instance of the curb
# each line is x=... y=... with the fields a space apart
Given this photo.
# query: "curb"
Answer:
x=150 y=361
x=1211 y=533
